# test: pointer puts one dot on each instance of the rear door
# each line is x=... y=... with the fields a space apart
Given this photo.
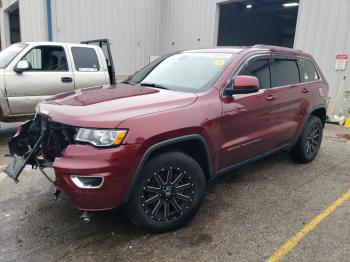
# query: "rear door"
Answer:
x=249 y=121
x=89 y=67
x=50 y=74
x=293 y=96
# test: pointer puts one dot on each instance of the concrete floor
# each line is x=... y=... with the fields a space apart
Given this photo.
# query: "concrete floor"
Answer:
x=246 y=216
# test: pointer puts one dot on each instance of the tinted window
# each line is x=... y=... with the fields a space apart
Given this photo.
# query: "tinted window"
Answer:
x=85 y=59
x=285 y=72
x=309 y=72
x=47 y=58
x=259 y=69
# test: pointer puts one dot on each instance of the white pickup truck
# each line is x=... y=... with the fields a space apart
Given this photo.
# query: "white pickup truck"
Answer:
x=33 y=71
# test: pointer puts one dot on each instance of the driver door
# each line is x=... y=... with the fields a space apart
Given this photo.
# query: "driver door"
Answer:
x=49 y=75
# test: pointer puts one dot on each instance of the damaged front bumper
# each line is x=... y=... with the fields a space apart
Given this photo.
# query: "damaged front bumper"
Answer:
x=43 y=143
x=37 y=142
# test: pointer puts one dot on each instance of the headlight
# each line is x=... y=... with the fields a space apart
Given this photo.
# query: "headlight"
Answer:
x=101 y=137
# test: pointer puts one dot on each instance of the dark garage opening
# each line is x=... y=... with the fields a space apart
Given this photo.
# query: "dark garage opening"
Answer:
x=250 y=22
x=14 y=24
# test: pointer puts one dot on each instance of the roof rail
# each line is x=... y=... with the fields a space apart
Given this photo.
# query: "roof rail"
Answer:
x=276 y=47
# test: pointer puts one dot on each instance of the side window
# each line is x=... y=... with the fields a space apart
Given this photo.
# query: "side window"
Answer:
x=259 y=69
x=285 y=72
x=308 y=71
x=85 y=59
x=47 y=58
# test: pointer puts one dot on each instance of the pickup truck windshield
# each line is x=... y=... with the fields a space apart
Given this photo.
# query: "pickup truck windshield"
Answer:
x=187 y=72
x=8 y=54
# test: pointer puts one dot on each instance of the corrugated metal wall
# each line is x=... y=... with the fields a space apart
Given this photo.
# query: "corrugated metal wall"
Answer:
x=33 y=19
x=323 y=29
x=4 y=22
x=134 y=27
x=137 y=29
x=189 y=24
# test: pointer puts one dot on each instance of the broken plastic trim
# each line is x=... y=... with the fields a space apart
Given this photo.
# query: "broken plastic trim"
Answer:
x=17 y=163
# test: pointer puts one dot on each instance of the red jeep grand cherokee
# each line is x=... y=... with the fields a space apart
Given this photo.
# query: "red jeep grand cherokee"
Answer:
x=153 y=142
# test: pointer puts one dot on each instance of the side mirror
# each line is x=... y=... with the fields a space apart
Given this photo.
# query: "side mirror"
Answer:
x=242 y=85
x=22 y=66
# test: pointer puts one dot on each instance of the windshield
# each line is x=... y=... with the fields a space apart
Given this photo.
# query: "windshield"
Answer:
x=188 y=72
x=8 y=54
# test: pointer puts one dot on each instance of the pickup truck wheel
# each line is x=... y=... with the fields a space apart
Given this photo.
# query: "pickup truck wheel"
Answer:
x=309 y=142
x=168 y=194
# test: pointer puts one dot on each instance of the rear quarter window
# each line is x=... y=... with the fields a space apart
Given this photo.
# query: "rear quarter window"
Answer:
x=308 y=71
x=85 y=59
x=285 y=72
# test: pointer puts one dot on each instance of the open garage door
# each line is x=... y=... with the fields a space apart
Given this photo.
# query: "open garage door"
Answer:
x=250 y=22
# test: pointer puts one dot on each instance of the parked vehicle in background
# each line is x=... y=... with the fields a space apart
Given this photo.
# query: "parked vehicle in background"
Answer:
x=153 y=142
x=33 y=71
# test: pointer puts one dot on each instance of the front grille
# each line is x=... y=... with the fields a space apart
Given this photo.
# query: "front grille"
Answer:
x=57 y=137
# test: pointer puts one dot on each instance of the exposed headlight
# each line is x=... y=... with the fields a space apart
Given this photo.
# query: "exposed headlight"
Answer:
x=101 y=137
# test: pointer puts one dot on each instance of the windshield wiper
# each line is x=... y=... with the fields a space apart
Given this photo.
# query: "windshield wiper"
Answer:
x=154 y=85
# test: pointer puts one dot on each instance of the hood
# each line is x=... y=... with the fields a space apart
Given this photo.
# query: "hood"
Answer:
x=108 y=106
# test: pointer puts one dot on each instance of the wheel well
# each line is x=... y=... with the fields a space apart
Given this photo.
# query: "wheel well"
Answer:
x=321 y=114
x=194 y=148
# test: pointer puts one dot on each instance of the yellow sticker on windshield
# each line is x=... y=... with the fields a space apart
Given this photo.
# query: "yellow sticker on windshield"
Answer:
x=219 y=62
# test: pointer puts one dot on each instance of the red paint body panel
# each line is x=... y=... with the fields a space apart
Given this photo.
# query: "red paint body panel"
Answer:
x=234 y=129
x=116 y=165
x=128 y=101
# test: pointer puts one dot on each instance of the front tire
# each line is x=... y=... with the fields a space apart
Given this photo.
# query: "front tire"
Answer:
x=168 y=194
x=308 y=145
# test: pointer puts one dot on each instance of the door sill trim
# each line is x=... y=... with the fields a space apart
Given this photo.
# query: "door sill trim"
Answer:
x=250 y=160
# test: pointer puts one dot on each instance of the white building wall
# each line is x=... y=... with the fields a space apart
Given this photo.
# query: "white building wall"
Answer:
x=4 y=22
x=133 y=27
x=189 y=24
x=33 y=20
x=323 y=30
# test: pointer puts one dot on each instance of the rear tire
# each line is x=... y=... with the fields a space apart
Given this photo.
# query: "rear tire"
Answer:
x=308 y=145
x=168 y=193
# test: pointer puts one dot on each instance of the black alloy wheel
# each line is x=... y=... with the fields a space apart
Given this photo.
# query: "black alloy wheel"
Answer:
x=312 y=141
x=309 y=142
x=168 y=193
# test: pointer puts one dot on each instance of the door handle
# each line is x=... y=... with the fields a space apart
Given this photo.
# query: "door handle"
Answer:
x=270 y=98
x=305 y=91
x=67 y=80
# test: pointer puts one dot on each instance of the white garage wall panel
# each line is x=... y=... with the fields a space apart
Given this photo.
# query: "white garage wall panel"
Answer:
x=133 y=26
x=189 y=24
x=4 y=22
x=33 y=20
x=323 y=30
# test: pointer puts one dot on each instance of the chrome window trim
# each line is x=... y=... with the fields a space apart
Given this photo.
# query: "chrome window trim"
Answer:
x=262 y=55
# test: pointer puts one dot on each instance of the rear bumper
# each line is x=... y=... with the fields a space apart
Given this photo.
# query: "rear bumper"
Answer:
x=116 y=165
